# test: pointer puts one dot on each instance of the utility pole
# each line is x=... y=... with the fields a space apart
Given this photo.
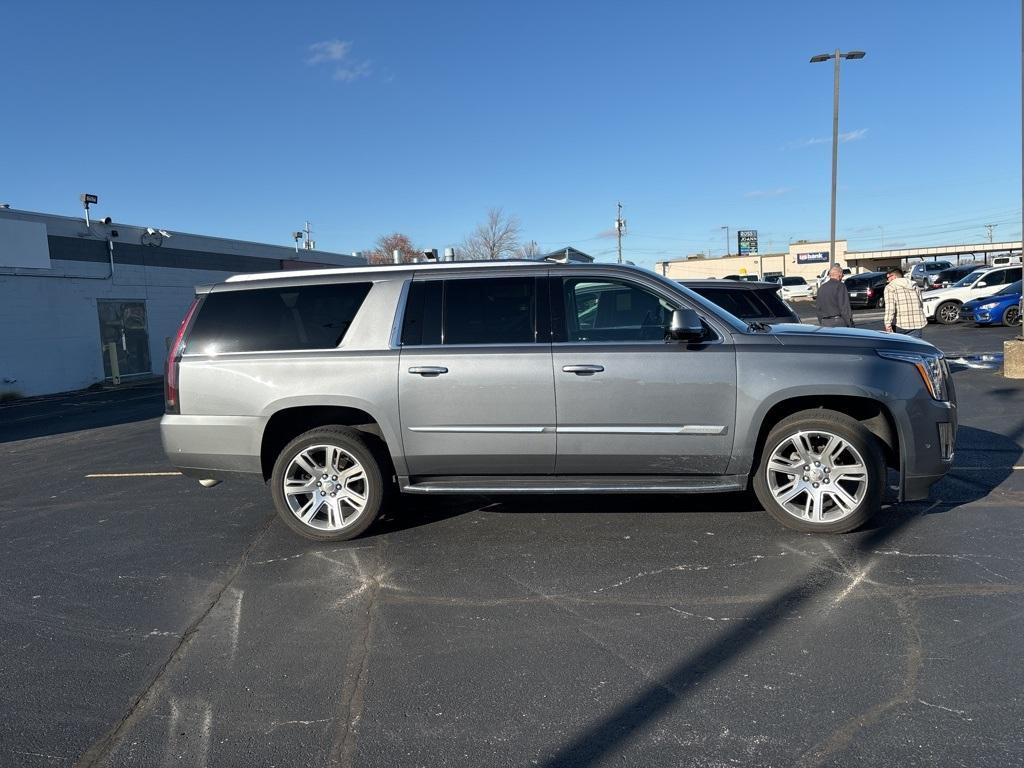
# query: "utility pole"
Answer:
x=310 y=242
x=726 y=240
x=620 y=228
x=990 y=227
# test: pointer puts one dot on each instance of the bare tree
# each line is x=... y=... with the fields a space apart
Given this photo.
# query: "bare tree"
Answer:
x=528 y=250
x=386 y=245
x=496 y=238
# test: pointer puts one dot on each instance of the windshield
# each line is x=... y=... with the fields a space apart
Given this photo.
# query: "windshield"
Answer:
x=969 y=280
x=1010 y=289
x=793 y=281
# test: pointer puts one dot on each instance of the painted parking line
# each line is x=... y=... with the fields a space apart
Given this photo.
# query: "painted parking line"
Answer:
x=987 y=469
x=136 y=474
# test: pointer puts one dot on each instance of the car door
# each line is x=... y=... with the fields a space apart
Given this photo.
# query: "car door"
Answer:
x=475 y=387
x=627 y=400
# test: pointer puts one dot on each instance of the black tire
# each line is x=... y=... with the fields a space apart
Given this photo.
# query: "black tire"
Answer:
x=824 y=422
x=1011 y=316
x=948 y=312
x=328 y=522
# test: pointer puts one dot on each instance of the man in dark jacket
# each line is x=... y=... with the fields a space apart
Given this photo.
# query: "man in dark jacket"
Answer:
x=834 y=301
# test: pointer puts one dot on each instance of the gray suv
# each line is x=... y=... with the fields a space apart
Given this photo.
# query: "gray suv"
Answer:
x=342 y=386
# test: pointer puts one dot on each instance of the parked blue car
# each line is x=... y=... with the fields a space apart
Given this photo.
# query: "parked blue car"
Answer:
x=999 y=308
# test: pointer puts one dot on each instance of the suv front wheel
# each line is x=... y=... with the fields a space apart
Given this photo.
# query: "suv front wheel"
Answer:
x=821 y=472
x=327 y=484
x=948 y=312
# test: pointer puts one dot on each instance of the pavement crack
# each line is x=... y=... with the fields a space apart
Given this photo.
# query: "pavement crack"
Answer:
x=350 y=707
x=102 y=748
x=844 y=734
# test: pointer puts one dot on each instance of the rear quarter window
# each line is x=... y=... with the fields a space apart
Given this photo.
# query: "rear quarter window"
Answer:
x=276 y=319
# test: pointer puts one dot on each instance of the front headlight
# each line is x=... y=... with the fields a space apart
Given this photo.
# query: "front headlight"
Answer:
x=990 y=305
x=932 y=368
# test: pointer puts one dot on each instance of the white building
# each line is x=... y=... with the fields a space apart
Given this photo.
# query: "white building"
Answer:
x=806 y=259
x=75 y=297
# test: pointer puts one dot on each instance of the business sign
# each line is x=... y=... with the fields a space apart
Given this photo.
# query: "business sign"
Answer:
x=815 y=257
x=747 y=241
x=24 y=244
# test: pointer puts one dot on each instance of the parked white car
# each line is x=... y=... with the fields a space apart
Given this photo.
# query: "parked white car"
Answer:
x=823 y=276
x=943 y=304
x=793 y=287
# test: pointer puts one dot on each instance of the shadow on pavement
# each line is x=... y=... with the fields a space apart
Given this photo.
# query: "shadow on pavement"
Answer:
x=611 y=732
x=410 y=511
x=24 y=420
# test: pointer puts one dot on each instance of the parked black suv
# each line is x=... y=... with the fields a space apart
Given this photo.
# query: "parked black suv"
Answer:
x=753 y=302
x=947 y=277
x=866 y=290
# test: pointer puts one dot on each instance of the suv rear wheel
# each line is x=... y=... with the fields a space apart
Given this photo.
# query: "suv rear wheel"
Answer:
x=327 y=484
x=820 y=471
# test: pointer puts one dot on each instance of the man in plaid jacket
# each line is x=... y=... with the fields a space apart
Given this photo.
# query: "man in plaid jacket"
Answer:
x=904 y=312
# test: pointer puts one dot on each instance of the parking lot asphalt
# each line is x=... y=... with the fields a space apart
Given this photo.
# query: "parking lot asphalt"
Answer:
x=147 y=621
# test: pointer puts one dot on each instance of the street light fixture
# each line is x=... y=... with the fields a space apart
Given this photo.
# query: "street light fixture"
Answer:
x=837 y=56
x=726 y=240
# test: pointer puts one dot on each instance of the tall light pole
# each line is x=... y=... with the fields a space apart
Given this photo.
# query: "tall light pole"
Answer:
x=837 y=55
x=726 y=240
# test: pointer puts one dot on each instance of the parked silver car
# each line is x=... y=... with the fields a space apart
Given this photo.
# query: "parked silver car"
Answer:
x=341 y=386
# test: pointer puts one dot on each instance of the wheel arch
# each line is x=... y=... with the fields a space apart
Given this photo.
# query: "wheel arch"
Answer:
x=874 y=415
x=289 y=422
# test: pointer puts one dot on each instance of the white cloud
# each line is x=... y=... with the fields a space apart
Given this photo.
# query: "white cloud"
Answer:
x=353 y=72
x=328 y=50
x=777 y=192
x=335 y=53
x=854 y=135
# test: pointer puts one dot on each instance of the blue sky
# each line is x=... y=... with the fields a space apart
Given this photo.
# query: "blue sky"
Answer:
x=245 y=119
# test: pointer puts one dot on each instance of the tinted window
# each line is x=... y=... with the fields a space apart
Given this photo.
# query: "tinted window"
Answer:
x=493 y=310
x=489 y=311
x=422 y=322
x=610 y=310
x=793 y=281
x=269 y=319
x=1003 y=277
x=749 y=305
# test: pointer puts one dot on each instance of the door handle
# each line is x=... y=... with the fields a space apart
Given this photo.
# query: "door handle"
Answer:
x=428 y=370
x=582 y=370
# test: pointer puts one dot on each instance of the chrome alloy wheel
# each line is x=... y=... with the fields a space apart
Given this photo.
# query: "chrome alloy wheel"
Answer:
x=949 y=313
x=817 y=477
x=325 y=487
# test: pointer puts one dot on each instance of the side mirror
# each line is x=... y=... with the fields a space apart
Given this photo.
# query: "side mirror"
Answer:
x=686 y=326
x=982 y=284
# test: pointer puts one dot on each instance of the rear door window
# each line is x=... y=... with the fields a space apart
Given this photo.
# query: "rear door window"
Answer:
x=276 y=319
x=470 y=311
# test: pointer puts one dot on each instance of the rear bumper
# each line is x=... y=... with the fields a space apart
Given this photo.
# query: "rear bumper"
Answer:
x=210 y=446
x=860 y=302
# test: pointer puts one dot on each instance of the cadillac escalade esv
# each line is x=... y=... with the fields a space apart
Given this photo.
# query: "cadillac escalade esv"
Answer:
x=341 y=386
